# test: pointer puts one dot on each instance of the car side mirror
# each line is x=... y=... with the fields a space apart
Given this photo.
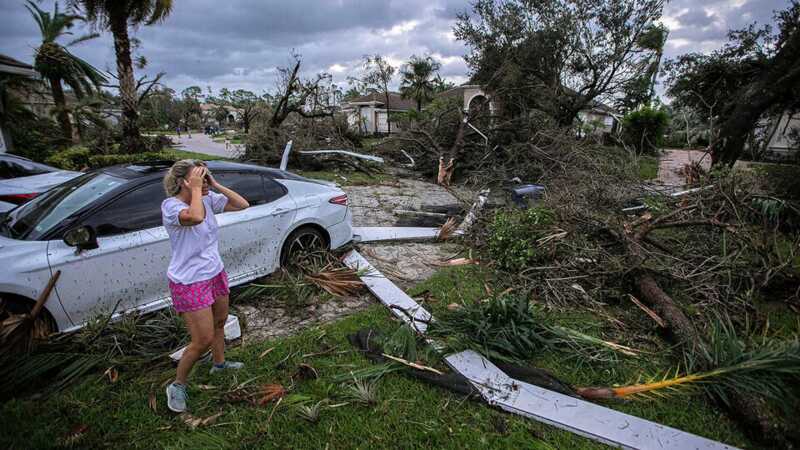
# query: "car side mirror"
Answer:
x=83 y=238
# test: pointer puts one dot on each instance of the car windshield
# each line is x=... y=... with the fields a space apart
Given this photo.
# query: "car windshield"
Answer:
x=38 y=216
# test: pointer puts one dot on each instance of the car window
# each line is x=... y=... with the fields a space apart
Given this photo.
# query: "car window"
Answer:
x=11 y=167
x=274 y=189
x=136 y=210
x=37 y=217
x=248 y=185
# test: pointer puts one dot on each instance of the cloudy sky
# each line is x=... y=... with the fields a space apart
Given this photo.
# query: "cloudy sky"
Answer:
x=238 y=43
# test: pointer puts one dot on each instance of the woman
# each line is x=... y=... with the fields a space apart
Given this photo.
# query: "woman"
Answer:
x=197 y=279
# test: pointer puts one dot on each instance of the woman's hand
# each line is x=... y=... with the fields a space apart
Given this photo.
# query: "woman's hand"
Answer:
x=212 y=183
x=195 y=178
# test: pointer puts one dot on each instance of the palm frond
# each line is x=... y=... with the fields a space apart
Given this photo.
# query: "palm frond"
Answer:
x=766 y=367
x=447 y=229
x=508 y=328
x=310 y=413
x=363 y=391
x=84 y=38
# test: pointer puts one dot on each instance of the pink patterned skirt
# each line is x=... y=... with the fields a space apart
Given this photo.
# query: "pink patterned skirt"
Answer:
x=200 y=295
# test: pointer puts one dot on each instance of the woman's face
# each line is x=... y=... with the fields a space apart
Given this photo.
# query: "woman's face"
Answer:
x=205 y=185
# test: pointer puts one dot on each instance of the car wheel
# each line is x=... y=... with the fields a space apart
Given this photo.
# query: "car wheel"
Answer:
x=45 y=324
x=303 y=246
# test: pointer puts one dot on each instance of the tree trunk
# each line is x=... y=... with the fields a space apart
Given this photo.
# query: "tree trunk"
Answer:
x=131 y=138
x=779 y=81
x=61 y=106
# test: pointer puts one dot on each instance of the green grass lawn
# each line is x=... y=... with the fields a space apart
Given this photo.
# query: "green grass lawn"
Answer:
x=648 y=167
x=183 y=154
x=408 y=413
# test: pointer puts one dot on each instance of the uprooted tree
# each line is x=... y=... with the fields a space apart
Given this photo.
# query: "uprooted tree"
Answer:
x=754 y=76
x=302 y=110
x=560 y=56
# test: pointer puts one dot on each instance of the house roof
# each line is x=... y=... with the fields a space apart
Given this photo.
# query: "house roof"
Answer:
x=396 y=101
x=11 y=65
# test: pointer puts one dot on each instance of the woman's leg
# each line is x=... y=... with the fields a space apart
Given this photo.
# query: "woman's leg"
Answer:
x=201 y=327
x=220 y=310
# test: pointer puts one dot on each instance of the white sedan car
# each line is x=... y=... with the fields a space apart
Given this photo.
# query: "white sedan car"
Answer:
x=103 y=231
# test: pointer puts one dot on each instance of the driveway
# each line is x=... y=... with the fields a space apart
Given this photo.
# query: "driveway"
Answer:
x=202 y=143
x=672 y=162
x=405 y=263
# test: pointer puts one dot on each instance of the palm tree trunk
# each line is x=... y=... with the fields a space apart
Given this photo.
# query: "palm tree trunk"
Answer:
x=131 y=138
x=61 y=107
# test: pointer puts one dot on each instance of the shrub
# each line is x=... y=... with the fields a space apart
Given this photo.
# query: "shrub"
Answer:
x=73 y=158
x=514 y=234
x=78 y=158
x=35 y=137
x=644 y=129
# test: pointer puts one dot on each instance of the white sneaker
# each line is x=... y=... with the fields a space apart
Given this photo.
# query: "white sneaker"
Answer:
x=226 y=365
x=176 y=397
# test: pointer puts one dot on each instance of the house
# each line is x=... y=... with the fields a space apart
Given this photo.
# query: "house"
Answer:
x=598 y=120
x=784 y=142
x=369 y=113
x=209 y=112
x=473 y=96
x=10 y=67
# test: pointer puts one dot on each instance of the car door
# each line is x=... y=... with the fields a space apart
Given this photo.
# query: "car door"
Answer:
x=249 y=240
x=128 y=269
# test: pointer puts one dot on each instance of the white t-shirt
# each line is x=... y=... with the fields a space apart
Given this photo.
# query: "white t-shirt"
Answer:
x=195 y=249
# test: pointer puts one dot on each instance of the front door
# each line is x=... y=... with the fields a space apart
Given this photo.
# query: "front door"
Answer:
x=129 y=266
x=249 y=240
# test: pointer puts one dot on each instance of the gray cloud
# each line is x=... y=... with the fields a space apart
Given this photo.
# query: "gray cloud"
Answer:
x=238 y=43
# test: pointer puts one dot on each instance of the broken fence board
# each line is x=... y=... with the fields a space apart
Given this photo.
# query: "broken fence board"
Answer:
x=399 y=303
x=373 y=234
x=376 y=159
x=577 y=416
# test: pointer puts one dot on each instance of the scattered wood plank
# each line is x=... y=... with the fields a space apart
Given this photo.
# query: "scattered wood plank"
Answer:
x=374 y=234
x=401 y=305
x=569 y=413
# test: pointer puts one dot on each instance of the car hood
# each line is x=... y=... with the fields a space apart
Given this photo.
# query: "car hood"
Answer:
x=5 y=206
x=6 y=244
x=36 y=183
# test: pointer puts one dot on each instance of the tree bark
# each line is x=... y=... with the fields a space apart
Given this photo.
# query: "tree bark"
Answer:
x=779 y=81
x=61 y=105
x=131 y=137
x=680 y=325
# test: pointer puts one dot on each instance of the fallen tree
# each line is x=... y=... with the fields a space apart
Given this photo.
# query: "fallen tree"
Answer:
x=691 y=259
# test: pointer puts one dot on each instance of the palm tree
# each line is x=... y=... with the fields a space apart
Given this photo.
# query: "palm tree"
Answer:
x=116 y=16
x=56 y=64
x=418 y=82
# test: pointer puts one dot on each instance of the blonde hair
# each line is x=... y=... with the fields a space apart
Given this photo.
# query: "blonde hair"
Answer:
x=178 y=172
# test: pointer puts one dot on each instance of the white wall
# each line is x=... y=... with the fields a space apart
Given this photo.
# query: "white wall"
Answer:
x=781 y=144
x=3 y=147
